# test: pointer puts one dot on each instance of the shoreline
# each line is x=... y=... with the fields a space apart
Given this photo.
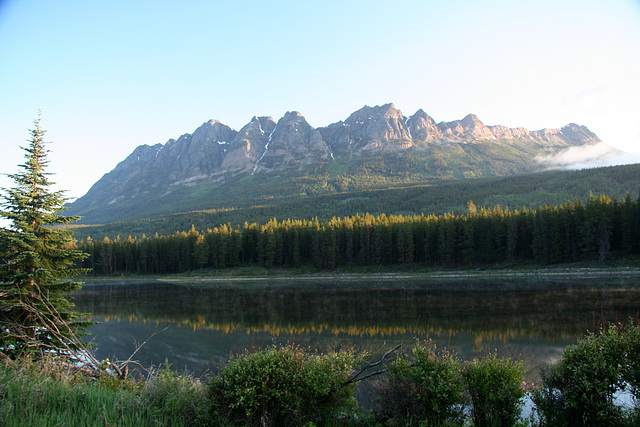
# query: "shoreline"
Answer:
x=285 y=275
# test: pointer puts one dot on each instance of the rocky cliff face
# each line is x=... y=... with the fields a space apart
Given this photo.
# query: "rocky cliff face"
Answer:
x=249 y=145
x=215 y=149
x=293 y=141
x=214 y=152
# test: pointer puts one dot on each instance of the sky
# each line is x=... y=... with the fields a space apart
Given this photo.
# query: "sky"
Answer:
x=111 y=75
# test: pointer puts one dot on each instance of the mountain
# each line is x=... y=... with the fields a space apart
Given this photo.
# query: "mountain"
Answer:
x=375 y=147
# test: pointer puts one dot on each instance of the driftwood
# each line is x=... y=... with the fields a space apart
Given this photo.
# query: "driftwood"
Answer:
x=357 y=378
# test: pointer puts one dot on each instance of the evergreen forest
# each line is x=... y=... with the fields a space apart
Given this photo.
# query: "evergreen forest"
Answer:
x=598 y=229
x=532 y=190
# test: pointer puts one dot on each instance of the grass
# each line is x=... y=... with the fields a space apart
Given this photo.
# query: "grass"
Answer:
x=50 y=393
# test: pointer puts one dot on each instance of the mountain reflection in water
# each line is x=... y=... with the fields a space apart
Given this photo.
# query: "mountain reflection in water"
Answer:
x=533 y=320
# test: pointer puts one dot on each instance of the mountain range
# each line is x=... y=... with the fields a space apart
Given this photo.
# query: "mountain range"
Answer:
x=375 y=147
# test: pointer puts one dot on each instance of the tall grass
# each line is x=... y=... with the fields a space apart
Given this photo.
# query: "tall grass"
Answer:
x=49 y=393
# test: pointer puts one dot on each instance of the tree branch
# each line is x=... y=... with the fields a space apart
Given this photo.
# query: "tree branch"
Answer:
x=356 y=378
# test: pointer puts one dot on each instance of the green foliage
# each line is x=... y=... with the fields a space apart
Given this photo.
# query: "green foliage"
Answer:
x=391 y=196
x=581 y=388
x=600 y=229
x=176 y=399
x=495 y=387
x=283 y=386
x=631 y=373
x=35 y=317
x=426 y=390
x=292 y=386
x=52 y=392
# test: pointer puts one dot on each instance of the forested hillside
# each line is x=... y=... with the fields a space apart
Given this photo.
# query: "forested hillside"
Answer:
x=514 y=192
x=600 y=229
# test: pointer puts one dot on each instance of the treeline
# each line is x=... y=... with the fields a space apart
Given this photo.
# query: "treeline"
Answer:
x=600 y=228
x=531 y=190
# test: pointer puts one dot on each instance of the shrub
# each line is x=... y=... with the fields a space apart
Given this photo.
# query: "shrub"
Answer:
x=581 y=388
x=428 y=389
x=283 y=386
x=495 y=387
x=175 y=399
x=631 y=374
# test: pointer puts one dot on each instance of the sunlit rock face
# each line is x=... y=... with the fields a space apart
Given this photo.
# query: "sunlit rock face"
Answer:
x=293 y=141
x=214 y=148
x=215 y=152
x=249 y=145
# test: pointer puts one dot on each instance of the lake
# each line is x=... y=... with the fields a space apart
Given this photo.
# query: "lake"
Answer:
x=533 y=319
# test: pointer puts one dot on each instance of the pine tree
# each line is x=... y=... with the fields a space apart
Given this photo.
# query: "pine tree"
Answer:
x=35 y=317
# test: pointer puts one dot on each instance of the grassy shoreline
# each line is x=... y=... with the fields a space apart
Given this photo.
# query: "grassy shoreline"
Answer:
x=623 y=266
x=261 y=277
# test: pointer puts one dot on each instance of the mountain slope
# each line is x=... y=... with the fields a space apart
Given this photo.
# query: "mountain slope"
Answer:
x=375 y=147
x=513 y=192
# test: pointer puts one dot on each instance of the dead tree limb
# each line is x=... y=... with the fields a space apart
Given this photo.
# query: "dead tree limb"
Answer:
x=46 y=320
x=121 y=367
x=357 y=378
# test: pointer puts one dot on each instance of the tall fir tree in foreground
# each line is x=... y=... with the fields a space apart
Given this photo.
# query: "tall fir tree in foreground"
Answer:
x=35 y=259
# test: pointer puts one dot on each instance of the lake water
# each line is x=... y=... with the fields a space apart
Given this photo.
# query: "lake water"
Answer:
x=533 y=320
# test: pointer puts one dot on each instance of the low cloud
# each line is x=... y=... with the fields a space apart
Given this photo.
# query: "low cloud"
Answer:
x=588 y=156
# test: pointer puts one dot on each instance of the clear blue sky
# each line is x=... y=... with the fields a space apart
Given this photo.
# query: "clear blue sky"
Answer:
x=111 y=75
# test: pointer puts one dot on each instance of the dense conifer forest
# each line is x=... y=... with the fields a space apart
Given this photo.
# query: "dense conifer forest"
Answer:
x=437 y=197
x=601 y=228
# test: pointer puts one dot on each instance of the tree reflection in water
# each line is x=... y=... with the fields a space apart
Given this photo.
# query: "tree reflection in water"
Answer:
x=533 y=320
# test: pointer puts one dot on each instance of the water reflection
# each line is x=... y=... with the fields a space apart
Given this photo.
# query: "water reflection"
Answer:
x=534 y=320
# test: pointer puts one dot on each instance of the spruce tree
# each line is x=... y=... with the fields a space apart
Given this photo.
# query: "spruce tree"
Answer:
x=36 y=260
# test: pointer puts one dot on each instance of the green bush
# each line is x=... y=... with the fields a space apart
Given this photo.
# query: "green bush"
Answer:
x=581 y=388
x=426 y=390
x=175 y=399
x=495 y=387
x=284 y=386
x=631 y=375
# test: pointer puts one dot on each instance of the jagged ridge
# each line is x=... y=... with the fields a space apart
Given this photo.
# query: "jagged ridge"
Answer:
x=215 y=152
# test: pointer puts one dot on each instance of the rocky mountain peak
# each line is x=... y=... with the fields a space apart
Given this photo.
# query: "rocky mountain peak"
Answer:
x=578 y=134
x=375 y=113
x=258 y=127
x=473 y=126
x=292 y=115
x=420 y=114
x=291 y=123
x=214 y=131
x=388 y=110
x=371 y=125
x=215 y=152
x=422 y=128
x=249 y=145
x=471 y=120
x=293 y=141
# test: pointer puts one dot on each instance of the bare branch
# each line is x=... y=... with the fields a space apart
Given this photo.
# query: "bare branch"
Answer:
x=122 y=365
x=62 y=340
x=356 y=378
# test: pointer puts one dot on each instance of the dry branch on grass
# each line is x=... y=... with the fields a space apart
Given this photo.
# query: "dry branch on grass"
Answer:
x=63 y=340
